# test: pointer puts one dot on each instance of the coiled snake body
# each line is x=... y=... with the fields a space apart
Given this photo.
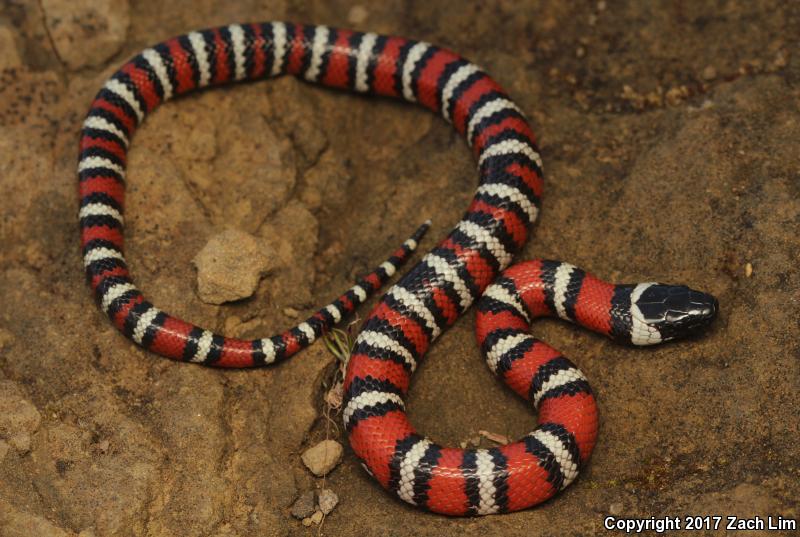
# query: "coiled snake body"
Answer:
x=424 y=302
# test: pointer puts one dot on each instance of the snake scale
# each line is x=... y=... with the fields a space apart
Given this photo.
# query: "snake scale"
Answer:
x=428 y=299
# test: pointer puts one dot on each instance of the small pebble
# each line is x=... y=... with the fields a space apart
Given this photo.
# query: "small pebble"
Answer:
x=304 y=506
x=748 y=270
x=357 y=14
x=323 y=457
x=307 y=522
x=676 y=95
x=615 y=508
x=316 y=518
x=327 y=500
x=709 y=73
x=291 y=312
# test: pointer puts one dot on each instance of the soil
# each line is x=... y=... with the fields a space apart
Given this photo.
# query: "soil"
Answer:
x=670 y=133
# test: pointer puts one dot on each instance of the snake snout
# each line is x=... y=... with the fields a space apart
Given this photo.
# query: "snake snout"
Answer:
x=677 y=311
x=709 y=306
x=700 y=310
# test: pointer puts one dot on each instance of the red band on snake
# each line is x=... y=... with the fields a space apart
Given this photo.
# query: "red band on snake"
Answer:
x=424 y=302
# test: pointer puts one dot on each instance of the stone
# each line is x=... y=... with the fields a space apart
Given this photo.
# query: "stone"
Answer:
x=304 y=506
x=316 y=518
x=19 y=419
x=86 y=33
x=230 y=266
x=323 y=457
x=327 y=501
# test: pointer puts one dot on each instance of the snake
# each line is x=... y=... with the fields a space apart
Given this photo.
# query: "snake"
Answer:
x=471 y=263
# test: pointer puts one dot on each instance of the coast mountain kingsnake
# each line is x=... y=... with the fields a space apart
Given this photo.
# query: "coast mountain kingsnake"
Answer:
x=426 y=300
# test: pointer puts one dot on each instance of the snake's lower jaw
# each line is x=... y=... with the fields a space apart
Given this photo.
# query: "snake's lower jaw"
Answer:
x=677 y=311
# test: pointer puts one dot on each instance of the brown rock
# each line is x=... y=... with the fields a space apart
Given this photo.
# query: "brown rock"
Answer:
x=327 y=501
x=304 y=506
x=86 y=32
x=323 y=457
x=316 y=518
x=230 y=266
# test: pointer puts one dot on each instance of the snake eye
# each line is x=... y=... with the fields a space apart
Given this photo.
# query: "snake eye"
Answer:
x=676 y=311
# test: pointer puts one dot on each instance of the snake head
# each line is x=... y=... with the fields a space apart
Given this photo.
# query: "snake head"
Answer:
x=662 y=312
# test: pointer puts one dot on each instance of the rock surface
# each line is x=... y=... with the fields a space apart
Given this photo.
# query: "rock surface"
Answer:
x=16 y=523
x=655 y=170
x=19 y=419
x=86 y=32
x=323 y=457
x=10 y=56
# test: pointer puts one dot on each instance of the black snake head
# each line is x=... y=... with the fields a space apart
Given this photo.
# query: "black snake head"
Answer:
x=662 y=312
